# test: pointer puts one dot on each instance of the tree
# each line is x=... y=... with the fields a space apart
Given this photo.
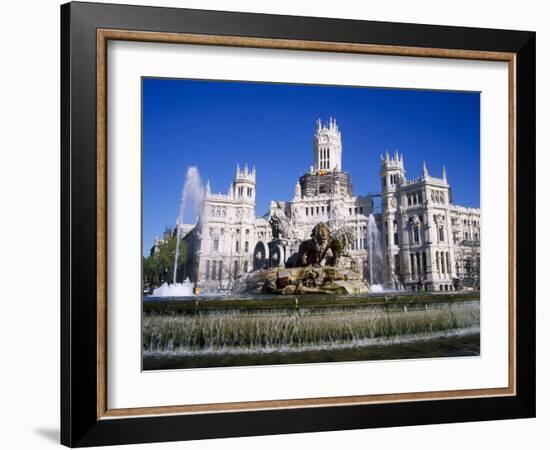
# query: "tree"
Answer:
x=158 y=268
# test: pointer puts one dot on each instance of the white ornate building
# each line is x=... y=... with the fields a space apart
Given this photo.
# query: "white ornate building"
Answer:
x=428 y=243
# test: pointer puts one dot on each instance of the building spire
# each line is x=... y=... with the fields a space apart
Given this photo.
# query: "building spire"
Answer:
x=444 y=175
x=424 y=169
x=297 y=190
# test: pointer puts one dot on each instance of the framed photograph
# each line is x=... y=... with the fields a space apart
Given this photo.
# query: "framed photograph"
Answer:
x=276 y=224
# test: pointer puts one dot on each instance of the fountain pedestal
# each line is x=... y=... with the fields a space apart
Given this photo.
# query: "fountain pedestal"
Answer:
x=302 y=280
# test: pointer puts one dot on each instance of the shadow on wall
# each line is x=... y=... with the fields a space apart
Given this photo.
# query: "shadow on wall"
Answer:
x=50 y=434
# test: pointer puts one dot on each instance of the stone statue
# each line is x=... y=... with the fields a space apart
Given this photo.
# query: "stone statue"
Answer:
x=320 y=266
x=313 y=251
x=279 y=222
x=324 y=247
x=338 y=245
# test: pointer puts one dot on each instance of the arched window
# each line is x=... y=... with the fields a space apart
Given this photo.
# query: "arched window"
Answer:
x=220 y=270
x=207 y=271
x=245 y=268
x=246 y=246
x=235 y=269
x=237 y=247
x=437 y=262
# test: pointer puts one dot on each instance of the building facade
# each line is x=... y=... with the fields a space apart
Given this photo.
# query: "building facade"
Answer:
x=427 y=242
x=220 y=247
x=427 y=239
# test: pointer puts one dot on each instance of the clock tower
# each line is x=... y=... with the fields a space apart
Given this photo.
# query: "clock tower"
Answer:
x=327 y=147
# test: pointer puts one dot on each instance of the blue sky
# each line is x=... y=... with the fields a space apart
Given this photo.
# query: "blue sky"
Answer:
x=216 y=124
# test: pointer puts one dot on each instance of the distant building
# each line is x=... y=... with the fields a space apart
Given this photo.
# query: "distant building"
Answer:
x=428 y=243
x=184 y=229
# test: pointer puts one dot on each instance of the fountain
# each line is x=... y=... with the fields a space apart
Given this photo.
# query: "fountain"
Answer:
x=184 y=289
x=376 y=259
x=192 y=196
x=321 y=265
x=304 y=301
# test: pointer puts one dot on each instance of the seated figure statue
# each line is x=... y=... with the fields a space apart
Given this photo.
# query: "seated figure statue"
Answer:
x=280 y=222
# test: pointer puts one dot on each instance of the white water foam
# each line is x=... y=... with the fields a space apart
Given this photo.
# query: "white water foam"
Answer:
x=377 y=288
x=184 y=289
x=355 y=343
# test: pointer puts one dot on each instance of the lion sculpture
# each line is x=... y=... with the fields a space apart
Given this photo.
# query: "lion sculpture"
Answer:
x=324 y=247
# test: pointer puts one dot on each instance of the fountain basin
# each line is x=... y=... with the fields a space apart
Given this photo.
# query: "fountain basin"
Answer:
x=209 y=332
